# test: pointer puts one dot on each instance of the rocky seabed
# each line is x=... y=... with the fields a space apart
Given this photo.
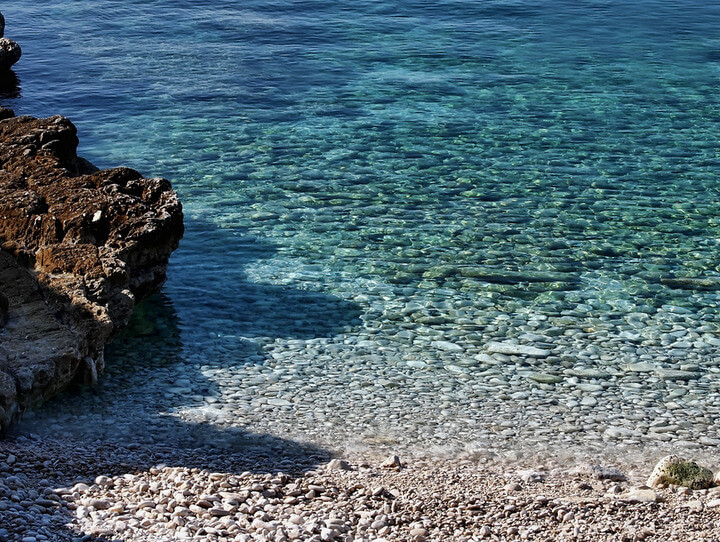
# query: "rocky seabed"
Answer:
x=581 y=393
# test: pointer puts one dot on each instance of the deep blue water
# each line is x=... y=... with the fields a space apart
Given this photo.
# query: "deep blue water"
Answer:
x=366 y=181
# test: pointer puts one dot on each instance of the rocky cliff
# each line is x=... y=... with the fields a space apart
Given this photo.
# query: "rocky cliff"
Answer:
x=78 y=248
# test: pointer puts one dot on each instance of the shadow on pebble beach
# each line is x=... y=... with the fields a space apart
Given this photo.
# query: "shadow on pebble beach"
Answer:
x=128 y=422
x=32 y=485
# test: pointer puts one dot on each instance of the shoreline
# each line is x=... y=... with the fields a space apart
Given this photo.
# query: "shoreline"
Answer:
x=114 y=417
x=142 y=493
x=275 y=489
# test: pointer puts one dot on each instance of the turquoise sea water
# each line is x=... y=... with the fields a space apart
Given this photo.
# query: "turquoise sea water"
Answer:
x=376 y=192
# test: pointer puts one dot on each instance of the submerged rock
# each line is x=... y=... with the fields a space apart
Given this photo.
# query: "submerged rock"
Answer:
x=77 y=250
x=511 y=349
x=674 y=470
x=692 y=283
x=544 y=378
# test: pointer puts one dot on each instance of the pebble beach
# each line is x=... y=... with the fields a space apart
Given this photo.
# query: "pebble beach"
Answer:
x=58 y=490
x=54 y=490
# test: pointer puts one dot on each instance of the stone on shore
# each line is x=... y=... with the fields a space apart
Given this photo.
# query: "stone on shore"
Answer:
x=123 y=492
x=600 y=472
x=77 y=250
x=338 y=464
x=674 y=470
x=392 y=462
x=639 y=495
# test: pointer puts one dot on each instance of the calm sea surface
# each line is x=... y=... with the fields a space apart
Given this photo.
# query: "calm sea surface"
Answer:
x=448 y=226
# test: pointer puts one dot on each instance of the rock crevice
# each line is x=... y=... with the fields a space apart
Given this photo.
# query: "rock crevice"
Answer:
x=78 y=248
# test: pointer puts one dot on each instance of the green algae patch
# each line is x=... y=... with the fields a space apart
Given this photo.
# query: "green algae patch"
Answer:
x=673 y=470
x=689 y=474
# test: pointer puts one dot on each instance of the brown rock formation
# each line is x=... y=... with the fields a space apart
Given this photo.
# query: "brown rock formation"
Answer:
x=78 y=248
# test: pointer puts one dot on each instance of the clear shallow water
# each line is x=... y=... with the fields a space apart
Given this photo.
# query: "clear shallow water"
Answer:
x=375 y=193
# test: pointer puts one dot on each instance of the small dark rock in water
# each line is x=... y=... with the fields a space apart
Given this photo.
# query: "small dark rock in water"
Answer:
x=3 y=310
x=10 y=53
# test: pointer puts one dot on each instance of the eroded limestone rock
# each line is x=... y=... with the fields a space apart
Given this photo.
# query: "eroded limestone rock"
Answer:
x=78 y=248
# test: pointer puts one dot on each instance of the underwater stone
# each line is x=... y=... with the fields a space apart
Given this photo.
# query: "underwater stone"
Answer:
x=692 y=283
x=676 y=374
x=447 y=346
x=544 y=378
x=510 y=349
